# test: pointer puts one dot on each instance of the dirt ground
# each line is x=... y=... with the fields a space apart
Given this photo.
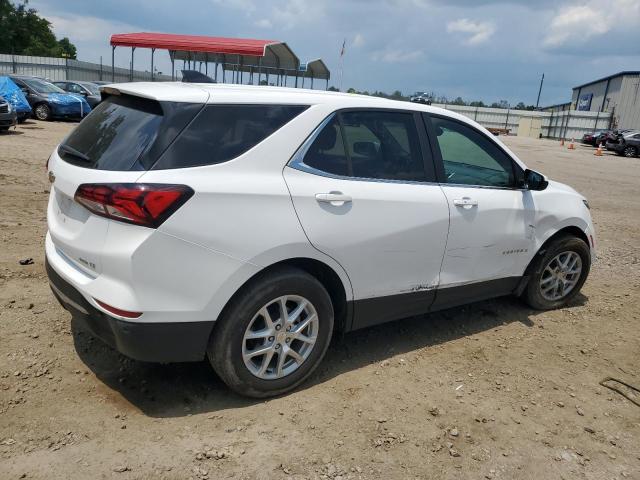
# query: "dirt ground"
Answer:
x=491 y=390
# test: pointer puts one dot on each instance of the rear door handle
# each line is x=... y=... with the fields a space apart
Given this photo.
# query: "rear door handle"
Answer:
x=334 y=198
x=465 y=202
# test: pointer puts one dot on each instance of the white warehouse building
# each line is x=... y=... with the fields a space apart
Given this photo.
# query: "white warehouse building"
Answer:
x=618 y=94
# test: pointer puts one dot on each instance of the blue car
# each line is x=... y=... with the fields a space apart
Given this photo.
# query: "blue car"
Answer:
x=49 y=101
x=15 y=98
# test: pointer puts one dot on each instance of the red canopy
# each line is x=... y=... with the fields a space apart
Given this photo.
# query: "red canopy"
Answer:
x=193 y=43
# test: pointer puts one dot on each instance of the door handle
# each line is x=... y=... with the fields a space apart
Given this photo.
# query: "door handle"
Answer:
x=334 y=198
x=465 y=202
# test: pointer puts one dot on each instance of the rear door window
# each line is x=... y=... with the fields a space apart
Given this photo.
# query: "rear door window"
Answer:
x=223 y=132
x=369 y=144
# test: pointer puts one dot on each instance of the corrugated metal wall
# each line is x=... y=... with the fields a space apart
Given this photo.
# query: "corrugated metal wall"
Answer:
x=566 y=124
x=64 y=69
x=627 y=111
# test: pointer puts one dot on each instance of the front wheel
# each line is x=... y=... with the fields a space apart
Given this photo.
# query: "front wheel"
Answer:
x=558 y=274
x=629 y=151
x=273 y=334
x=42 y=112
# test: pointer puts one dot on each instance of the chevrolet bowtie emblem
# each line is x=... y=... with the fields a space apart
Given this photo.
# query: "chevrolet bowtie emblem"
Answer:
x=52 y=177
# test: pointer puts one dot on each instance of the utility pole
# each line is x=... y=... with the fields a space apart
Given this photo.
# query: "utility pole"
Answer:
x=539 y=91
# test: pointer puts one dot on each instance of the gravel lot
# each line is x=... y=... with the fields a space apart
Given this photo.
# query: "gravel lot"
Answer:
x=491 y=390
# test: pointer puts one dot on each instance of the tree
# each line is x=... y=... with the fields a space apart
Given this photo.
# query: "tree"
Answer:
x=24 y=32
x=458 y=101
x=66 y=48
x=477 y=103
x=333 y=89
x=352 y=90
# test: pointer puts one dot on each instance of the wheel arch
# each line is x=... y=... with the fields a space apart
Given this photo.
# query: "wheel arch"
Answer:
x=568 y=230
x=321 y=271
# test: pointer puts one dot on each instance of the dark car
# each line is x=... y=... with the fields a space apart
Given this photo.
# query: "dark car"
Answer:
x=49 y=101
x=421 y=98
x=592 y=138
x=8 y=115
x=627 y=144
x=612 y=137
x=89 y=90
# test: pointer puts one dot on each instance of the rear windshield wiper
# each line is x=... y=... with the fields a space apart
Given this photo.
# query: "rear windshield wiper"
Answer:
x=74 y=153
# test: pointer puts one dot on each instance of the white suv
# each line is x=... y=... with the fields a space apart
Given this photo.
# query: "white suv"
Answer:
x=247 y=224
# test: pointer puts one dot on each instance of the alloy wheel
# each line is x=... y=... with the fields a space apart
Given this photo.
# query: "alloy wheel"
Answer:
x=560 y=276
x=280 y=337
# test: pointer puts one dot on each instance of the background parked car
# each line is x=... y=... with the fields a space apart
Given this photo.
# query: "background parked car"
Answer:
x=421 y=98
x=592 y=138
x=89 y=90
x=612 y=137
x=627 y=144
x=12 y=94
x=8 y=116
x=49 y=101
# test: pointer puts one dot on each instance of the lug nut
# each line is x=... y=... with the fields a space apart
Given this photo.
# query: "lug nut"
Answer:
x=288 y=340
x=278 y=327
x=277 y=346
x=289 y=328
x=271 y=339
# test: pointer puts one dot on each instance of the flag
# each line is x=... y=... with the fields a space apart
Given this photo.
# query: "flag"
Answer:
x=343 y=46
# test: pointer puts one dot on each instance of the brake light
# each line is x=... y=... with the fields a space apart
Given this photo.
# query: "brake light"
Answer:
x=145 y=204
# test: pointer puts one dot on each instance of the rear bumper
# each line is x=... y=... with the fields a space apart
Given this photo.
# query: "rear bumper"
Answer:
x=150 y=342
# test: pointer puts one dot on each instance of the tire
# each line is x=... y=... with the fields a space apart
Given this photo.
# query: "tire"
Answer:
x=42 y=111
x=629 y=151
x=533 y=293
x=4 y=129
x=228 y=344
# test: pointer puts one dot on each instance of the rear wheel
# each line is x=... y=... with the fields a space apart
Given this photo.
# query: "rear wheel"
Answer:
x=42 y=112
x=4 y=129
x=273 y=334
x=629 y=151
x=558 y=275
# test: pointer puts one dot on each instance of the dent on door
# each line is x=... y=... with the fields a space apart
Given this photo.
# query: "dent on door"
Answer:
x=491 y=235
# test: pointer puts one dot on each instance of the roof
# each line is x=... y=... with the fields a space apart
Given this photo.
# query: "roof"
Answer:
x=269 y=53
x=233 y=93
x=619 y=74
x=315 y=69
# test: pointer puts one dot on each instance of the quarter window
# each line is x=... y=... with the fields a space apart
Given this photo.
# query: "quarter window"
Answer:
x=369 y=144
x=469 y=157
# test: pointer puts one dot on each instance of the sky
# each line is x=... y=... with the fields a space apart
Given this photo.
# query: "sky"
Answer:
x=486 y=50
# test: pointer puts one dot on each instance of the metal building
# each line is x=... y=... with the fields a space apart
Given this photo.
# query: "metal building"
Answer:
x=618 y=94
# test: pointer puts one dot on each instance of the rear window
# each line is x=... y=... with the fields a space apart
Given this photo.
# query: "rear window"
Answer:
x=132 y=133
x=223 y=132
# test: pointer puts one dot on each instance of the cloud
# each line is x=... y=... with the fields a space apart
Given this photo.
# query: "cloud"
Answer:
x=358 y=40
x=263 y=23
x=479 y=31
x=81 y=28
x=576 y=24
x=396 y=56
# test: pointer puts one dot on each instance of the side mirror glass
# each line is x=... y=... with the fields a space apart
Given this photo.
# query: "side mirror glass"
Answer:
x=534 y=180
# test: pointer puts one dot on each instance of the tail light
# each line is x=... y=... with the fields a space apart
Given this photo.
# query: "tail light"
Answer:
x=145 y=204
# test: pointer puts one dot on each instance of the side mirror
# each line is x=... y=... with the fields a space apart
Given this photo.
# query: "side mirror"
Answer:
x=366 y=149
x=534 y=180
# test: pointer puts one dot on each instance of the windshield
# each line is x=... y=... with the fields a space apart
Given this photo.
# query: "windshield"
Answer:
x=42 y=86
x=92 y=87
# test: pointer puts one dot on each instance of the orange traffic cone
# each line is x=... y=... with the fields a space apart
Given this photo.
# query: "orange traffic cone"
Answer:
x=571 y=145
x=562 y=142
x=598 y=151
